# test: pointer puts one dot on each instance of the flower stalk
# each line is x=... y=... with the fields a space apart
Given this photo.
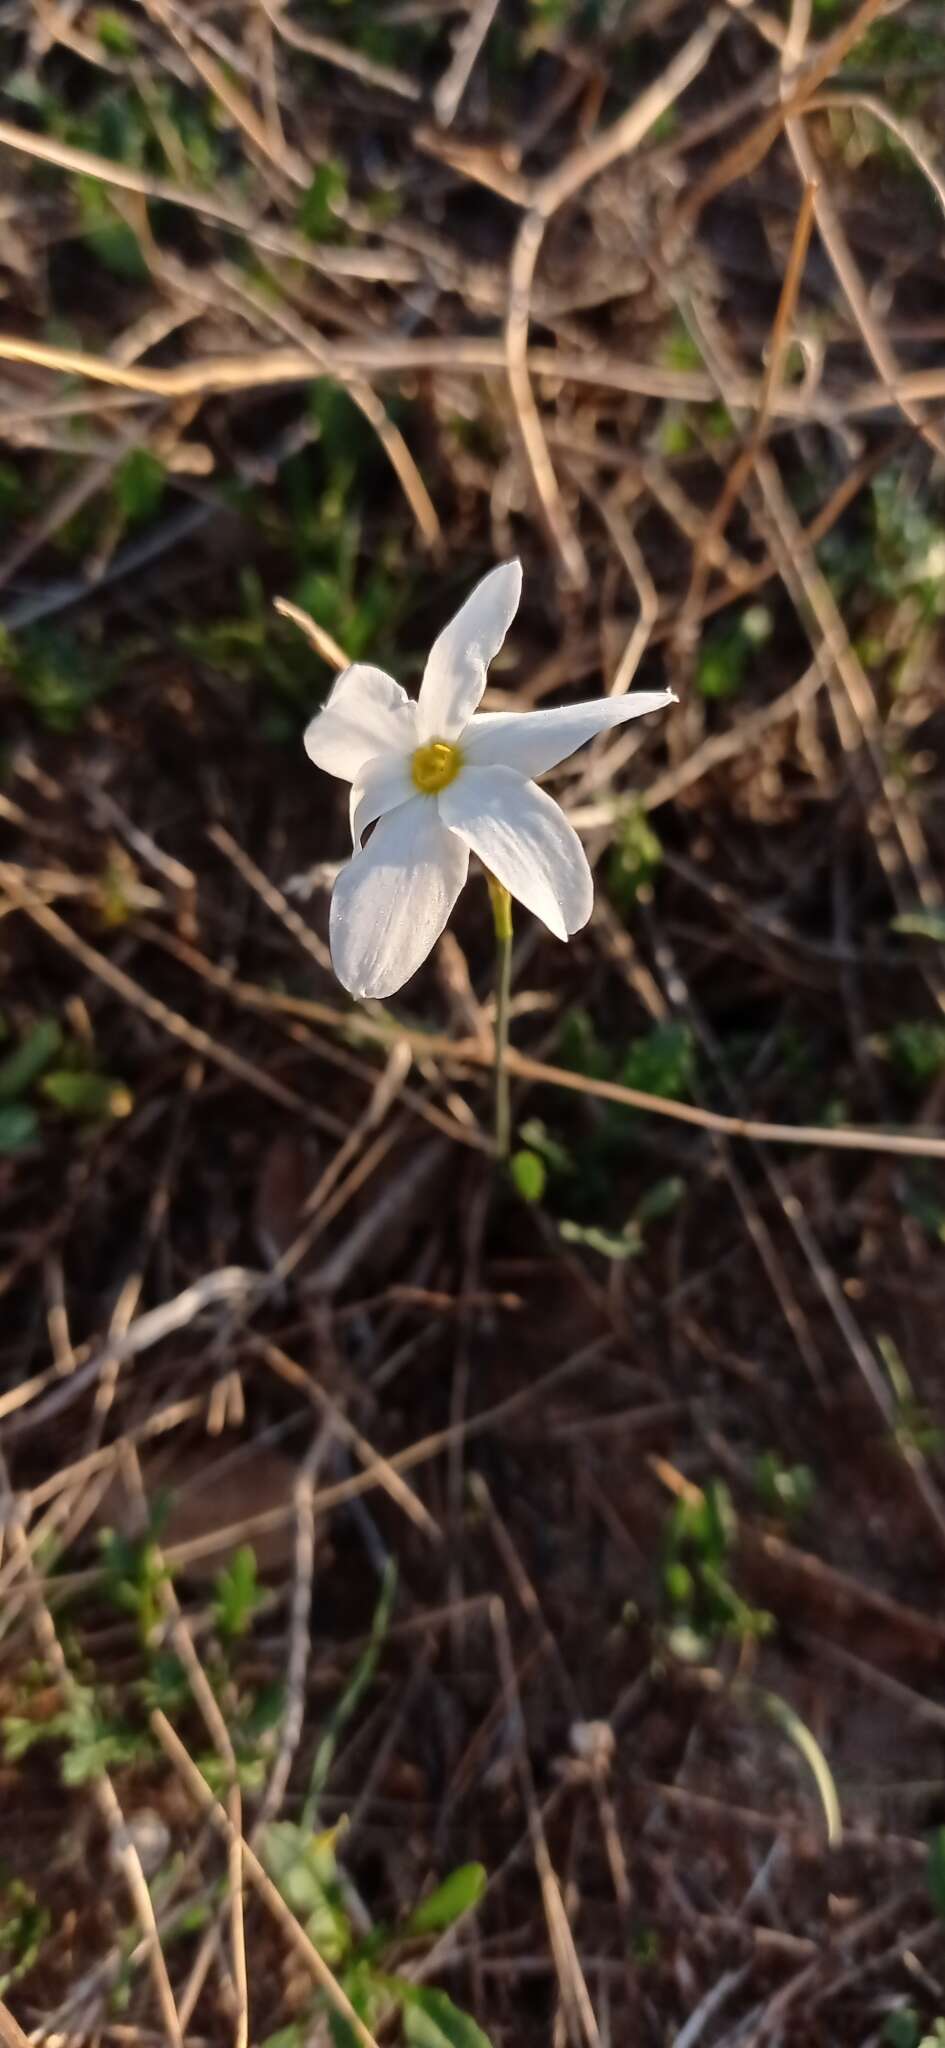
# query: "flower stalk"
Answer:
x=502 y=920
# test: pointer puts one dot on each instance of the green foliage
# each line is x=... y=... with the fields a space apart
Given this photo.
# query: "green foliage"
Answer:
x=677 y=436
x=634 y=859
x=106 y=234
x=887 y=44
x=139 y=486
x=115 y=34
x=73 y=1087
x=579 y=1047
x=662 y=1062
x=431 y=2020
x=611 y=1244
x=680 y=350
x=697 y=1565
x=897 y=555
x=134 y=1575
x=913 y=1426
x=19 y=1127
x=87 y=1096
x=20 y=1068
x=783 y=1489
x=922 y=924
x=316 y=216
x=659 y=1201
x=19 y=1071
x=538 y=1138
x=305 y=1869
x=24 y=1925
x=727 y=651
x=529 y=1175
x=904 y=2029
x=354 y=1691
x=54 y=673
x=93 y=1738
x=916 y=1050
x=457 y=1894
x=237 y=1597
x=302 y=1862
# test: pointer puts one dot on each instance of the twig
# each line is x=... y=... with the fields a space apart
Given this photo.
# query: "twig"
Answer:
x=560 y=185
x=140 y=998
x=272 y=1899
x=746 y=154
x=449 y=90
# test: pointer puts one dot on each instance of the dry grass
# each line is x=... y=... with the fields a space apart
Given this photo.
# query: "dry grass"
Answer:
x=320 y=311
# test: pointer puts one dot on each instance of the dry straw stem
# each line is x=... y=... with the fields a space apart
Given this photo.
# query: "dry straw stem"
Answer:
x=714 y=527
x=745 y=155
x=271 y=1898
x=11 y=2033
x=575 y=1998
x=23 y=897
x=916 y=1144
x=390 y=267
x=123 y=1849
x=479 y=355
x=553 y=191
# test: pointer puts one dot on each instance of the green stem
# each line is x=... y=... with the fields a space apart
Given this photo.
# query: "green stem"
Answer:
x=502 y=919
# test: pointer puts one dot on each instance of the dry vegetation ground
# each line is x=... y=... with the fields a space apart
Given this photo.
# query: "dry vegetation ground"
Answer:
x=589 y=1513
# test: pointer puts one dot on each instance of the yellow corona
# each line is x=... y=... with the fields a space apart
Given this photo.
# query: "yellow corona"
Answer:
x=435 y=766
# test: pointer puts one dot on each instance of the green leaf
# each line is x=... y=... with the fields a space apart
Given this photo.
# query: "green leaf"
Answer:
x=139 y=486
x=23 y=1066
x=341 y=2031
x=539 y=1139
x=902 y=2029
x=809 y=1748
x=935 y=1871
x=304 y=1868
x=458 y=1892
x=529 y=1175
x=783 y=1489
x=663 y=1062
x=92 y=1096
x=635 y=858
x=579 y=1046
x=114 y=33
x=921 y=924
x=317 y=217
x=660 y=1200
x=236 y=1594
x=107 y=235
x=19 y=1125
x=431 y=2020
x=917 y=1050
x=23 y=1929
x=612 y=1244
x=361 y=1678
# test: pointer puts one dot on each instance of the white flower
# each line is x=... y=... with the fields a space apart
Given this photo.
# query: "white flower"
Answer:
x=438 y=783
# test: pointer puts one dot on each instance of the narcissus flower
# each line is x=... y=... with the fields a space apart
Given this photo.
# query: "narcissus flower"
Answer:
x=438 y=783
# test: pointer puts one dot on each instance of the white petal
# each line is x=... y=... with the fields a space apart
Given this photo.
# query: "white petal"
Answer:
x=534 y=741
x=366 y=714
x=382 y=784
x=392 y=900
x=524 y=837
x=455 y=674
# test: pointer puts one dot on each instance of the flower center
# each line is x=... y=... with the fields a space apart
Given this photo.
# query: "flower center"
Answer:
x=435 y=766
